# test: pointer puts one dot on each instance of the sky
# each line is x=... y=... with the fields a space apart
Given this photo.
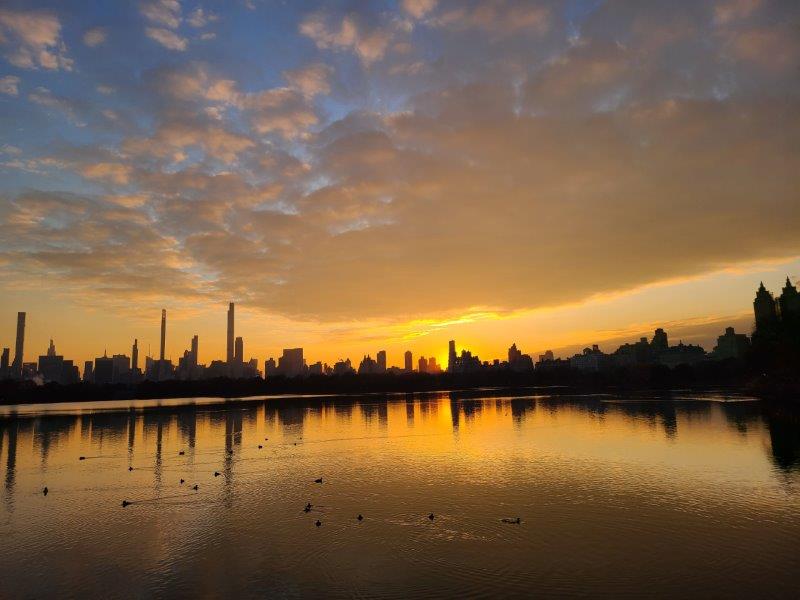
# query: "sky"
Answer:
x=359 y=175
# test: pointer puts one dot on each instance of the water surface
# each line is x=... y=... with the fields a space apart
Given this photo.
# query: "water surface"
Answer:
x=691 y=496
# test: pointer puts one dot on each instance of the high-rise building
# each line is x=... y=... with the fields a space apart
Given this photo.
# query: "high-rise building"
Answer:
x=163 y=333
x=423 y=364
x=135 y=356
x=88 y=371
x=380 y=360
x=16 y=367
x=789 y=302
x=409 y=361
x=238 y=352
x=229 y=355
x=764 y=308
x=452 y=357
x=292 y=363
x=103 y=370
x=4 y=364
x=195 y=350
x=660 y=341
x=731 y=345
x=270 y=369
x=122 y=368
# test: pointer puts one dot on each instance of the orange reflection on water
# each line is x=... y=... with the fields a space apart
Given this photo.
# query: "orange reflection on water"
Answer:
x=596 y=481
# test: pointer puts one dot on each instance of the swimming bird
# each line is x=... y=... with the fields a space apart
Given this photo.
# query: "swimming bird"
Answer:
x=431 y=517
x=216 y=473
x=360 y=517
x=81 y=458
x=125 y=503
x=182 y=481
x=516 y=521
x=196 y=487
x=307 y=508
x=181 y=453
x=260 y=446
x=130 y=468
x=318 y=480
x=45 y=490
x=318 y=523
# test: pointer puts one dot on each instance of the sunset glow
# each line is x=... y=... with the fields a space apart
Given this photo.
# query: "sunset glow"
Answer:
x=392 y=175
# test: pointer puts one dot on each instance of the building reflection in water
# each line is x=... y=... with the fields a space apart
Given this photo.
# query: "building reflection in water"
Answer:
x=11 y=427
x=143 y=433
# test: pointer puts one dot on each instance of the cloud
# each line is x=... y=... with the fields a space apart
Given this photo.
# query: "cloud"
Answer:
x=418 y=8
x=106 y=90
x=728 y=11
x=310 y=80
x=95 y=36
x=168 y=39
x=369 y=43
x=200 y=18
x=112 y=172
x=89 y=242
x=166 y=13
x=280 y=110
x=515 y=165
x=195 y=82
x=498 y=17
x=33 y=40
x=584 y=77
x=9 y=85
x=171 y=139
x=772 y=49
x=44 y=97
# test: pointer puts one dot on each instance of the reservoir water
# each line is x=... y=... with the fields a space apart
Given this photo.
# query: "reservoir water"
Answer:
x=682 y=495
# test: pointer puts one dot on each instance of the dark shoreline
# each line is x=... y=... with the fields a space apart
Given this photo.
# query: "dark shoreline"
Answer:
x=654 y=380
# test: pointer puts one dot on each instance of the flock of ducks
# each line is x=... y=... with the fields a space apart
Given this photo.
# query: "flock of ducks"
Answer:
x=306 y=509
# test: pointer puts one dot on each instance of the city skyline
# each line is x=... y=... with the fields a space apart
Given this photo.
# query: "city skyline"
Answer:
x=356 y=175
x=772 y=313
x=39 y=333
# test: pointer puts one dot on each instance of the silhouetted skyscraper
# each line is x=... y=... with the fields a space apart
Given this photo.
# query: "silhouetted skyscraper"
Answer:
x=238 y=352
x=16 y=367
x=163 y=333
x=292 y=363
x=409 y=361
x=789 y=302
x=764 y=308
x=4 y=364
x=452 y=357
x=660 y=341
x=195 y=350
x=88 y=371
x=135 y=355
x=229 y=355
x=380 y=359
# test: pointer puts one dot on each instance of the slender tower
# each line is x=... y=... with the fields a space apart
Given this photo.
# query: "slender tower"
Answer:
x=135 y=355
x=229 y=357
x=163 y=333
x=16 y=367
x=195 y=350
